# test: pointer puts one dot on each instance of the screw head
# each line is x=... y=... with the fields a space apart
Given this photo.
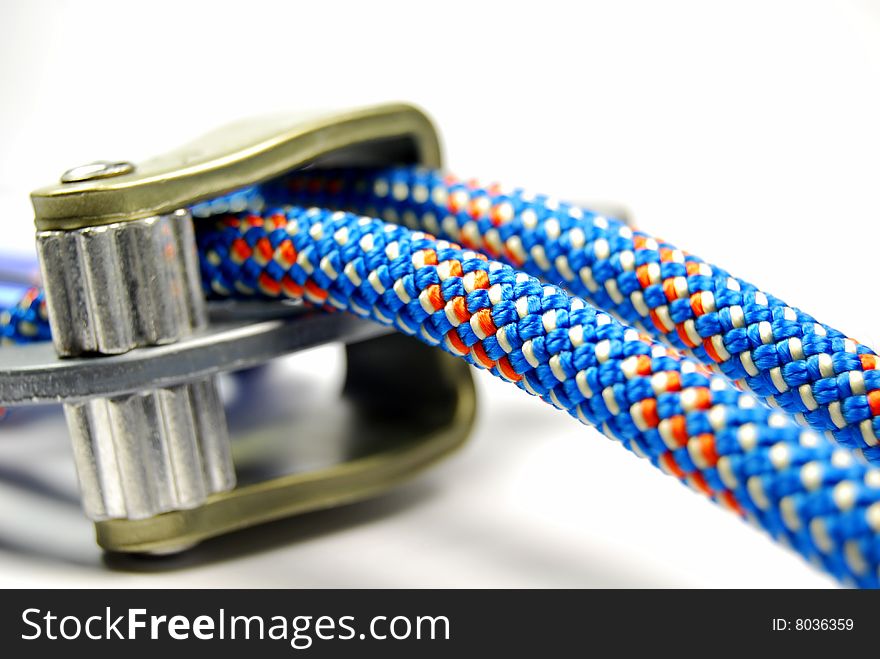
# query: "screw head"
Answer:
x=96 y=170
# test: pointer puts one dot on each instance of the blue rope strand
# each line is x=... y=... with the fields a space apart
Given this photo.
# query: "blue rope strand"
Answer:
x=792 y=482
x=822 y=501
x=785 y=356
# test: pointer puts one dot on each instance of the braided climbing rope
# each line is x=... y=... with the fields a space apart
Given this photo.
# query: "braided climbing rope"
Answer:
x=820 y=499
x=813 y=371
x=25 y=319
x=659 y=404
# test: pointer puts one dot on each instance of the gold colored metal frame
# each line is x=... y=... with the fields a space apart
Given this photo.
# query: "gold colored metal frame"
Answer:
x=397 y=427
x=389 y=423
x=232 y=157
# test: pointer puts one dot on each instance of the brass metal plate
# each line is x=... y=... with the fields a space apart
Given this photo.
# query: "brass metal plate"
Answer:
x=235 y=156
x=396 y=427
x=385 y=430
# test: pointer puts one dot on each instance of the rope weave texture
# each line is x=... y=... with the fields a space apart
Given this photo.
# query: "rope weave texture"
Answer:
x=818 y=374
x=476 y=294
x=692 y=424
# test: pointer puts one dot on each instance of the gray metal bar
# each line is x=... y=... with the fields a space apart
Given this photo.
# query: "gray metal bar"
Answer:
x=32 y=374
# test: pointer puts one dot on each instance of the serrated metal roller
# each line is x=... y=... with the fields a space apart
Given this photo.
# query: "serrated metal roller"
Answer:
x=110 y=289
x=115 y=287
x=142 y=454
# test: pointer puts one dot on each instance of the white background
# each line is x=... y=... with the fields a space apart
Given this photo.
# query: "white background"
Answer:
x=746 y=132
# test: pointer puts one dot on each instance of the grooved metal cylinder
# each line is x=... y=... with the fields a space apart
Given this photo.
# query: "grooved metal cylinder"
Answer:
x=151 y=452
x=115 y=287
x=110 y=289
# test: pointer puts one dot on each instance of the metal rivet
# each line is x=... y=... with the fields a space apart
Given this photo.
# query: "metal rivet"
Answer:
x=96 y=170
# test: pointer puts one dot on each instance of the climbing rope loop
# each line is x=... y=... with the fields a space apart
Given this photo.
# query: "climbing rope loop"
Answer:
x=693 y=424
x=816 y=373
x=480 y=293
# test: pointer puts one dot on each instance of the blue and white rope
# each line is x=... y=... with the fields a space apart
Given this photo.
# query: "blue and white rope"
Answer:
x=811 y=370
x=791 y=481
x=23 y=316
x=822 y=500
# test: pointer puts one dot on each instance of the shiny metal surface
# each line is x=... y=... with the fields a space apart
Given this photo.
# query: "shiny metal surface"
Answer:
x=148 y=428
x=138 y=455
x=382 y=429
x=127 y=312
x=115 y=287
x=32 y=374
x=240 y=154
x=156 y=445
x=97 y=170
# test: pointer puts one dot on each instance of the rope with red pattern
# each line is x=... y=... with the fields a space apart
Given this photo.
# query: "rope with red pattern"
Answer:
x=816 y=373
x=658 y=403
